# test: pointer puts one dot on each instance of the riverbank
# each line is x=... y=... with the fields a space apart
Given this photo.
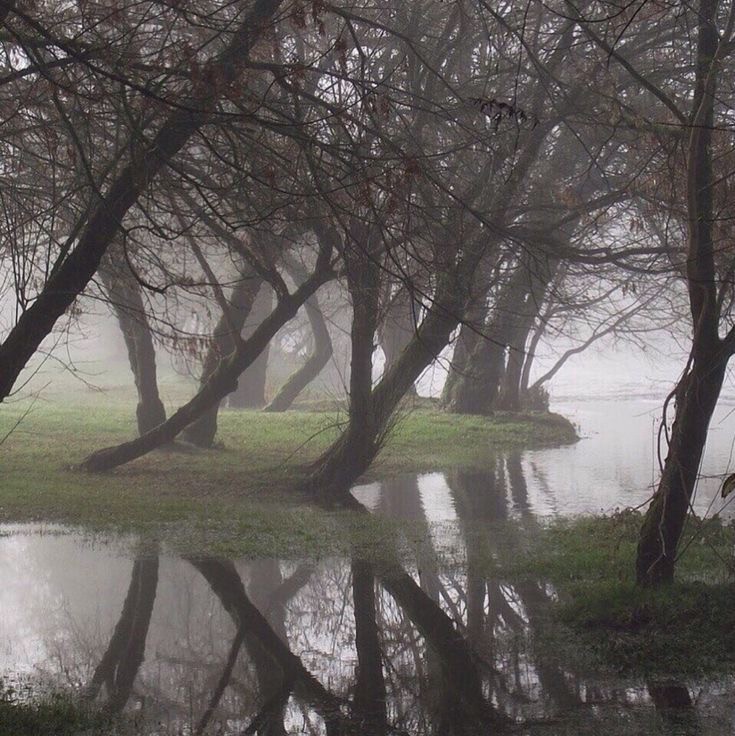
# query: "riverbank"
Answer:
x=258 y=458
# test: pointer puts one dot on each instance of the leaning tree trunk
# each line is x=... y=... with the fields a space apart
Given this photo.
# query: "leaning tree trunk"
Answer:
x=313 y=366
x=203 y=431
x=148 y=156
x=250 y=391
x=349 y=457
x=125 y=297
x=696 y=398
x=698 y=390
x=221 y=382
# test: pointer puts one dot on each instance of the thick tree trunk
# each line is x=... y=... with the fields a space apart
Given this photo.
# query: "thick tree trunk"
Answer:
x=314 y=365
x=696 y=398
x=127 y=302
x=698 y=390
x=220 y=383
x=70 y=277
x=398 y=328
x=203 y=431
x=250 y=391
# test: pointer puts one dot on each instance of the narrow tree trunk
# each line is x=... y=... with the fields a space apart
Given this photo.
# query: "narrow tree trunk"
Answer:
x=203 y=431
x=250 y=391
x=127 y=303
x=696 y=398
x=314 y=365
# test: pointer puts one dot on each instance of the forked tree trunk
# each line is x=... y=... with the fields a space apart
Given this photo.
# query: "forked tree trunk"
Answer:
x=350 y=456
x=127 y=303
x=250 y=391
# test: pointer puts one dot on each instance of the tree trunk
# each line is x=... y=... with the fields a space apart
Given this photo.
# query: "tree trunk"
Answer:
x=220 y=383
x=698 y=390
x=70 y=277
x=397 y=328
x=314 y=365
x=476 y=390
x=127 y=303
x=696 y=397
x=250 y=391
x=349 y=457
x=203 y=431
x=540 y=273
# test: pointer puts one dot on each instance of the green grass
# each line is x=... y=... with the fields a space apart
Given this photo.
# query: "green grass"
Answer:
x=238 y=491
x=682 y=630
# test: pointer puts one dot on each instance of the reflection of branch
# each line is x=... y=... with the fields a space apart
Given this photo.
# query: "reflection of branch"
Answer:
x=227 y=585
x=222 y=682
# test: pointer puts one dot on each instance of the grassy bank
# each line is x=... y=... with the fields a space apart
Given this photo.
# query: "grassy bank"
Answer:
x=259 y=458
x=680 y=631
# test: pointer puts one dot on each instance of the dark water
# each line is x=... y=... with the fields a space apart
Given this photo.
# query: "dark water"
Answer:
x=343 y=645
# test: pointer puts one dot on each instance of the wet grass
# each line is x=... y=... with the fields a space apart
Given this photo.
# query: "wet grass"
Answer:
x=235 y=498
x=59 y=714
x=683 y=630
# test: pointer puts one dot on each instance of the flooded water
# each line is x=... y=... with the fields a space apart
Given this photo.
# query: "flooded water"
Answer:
x=342 y=645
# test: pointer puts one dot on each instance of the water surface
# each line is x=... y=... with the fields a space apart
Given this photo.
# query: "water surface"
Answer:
x=345 y=645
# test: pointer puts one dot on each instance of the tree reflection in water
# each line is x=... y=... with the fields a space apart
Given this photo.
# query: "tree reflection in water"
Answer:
x=352 y=646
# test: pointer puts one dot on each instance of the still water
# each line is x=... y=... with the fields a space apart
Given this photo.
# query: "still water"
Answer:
x=341 y=645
